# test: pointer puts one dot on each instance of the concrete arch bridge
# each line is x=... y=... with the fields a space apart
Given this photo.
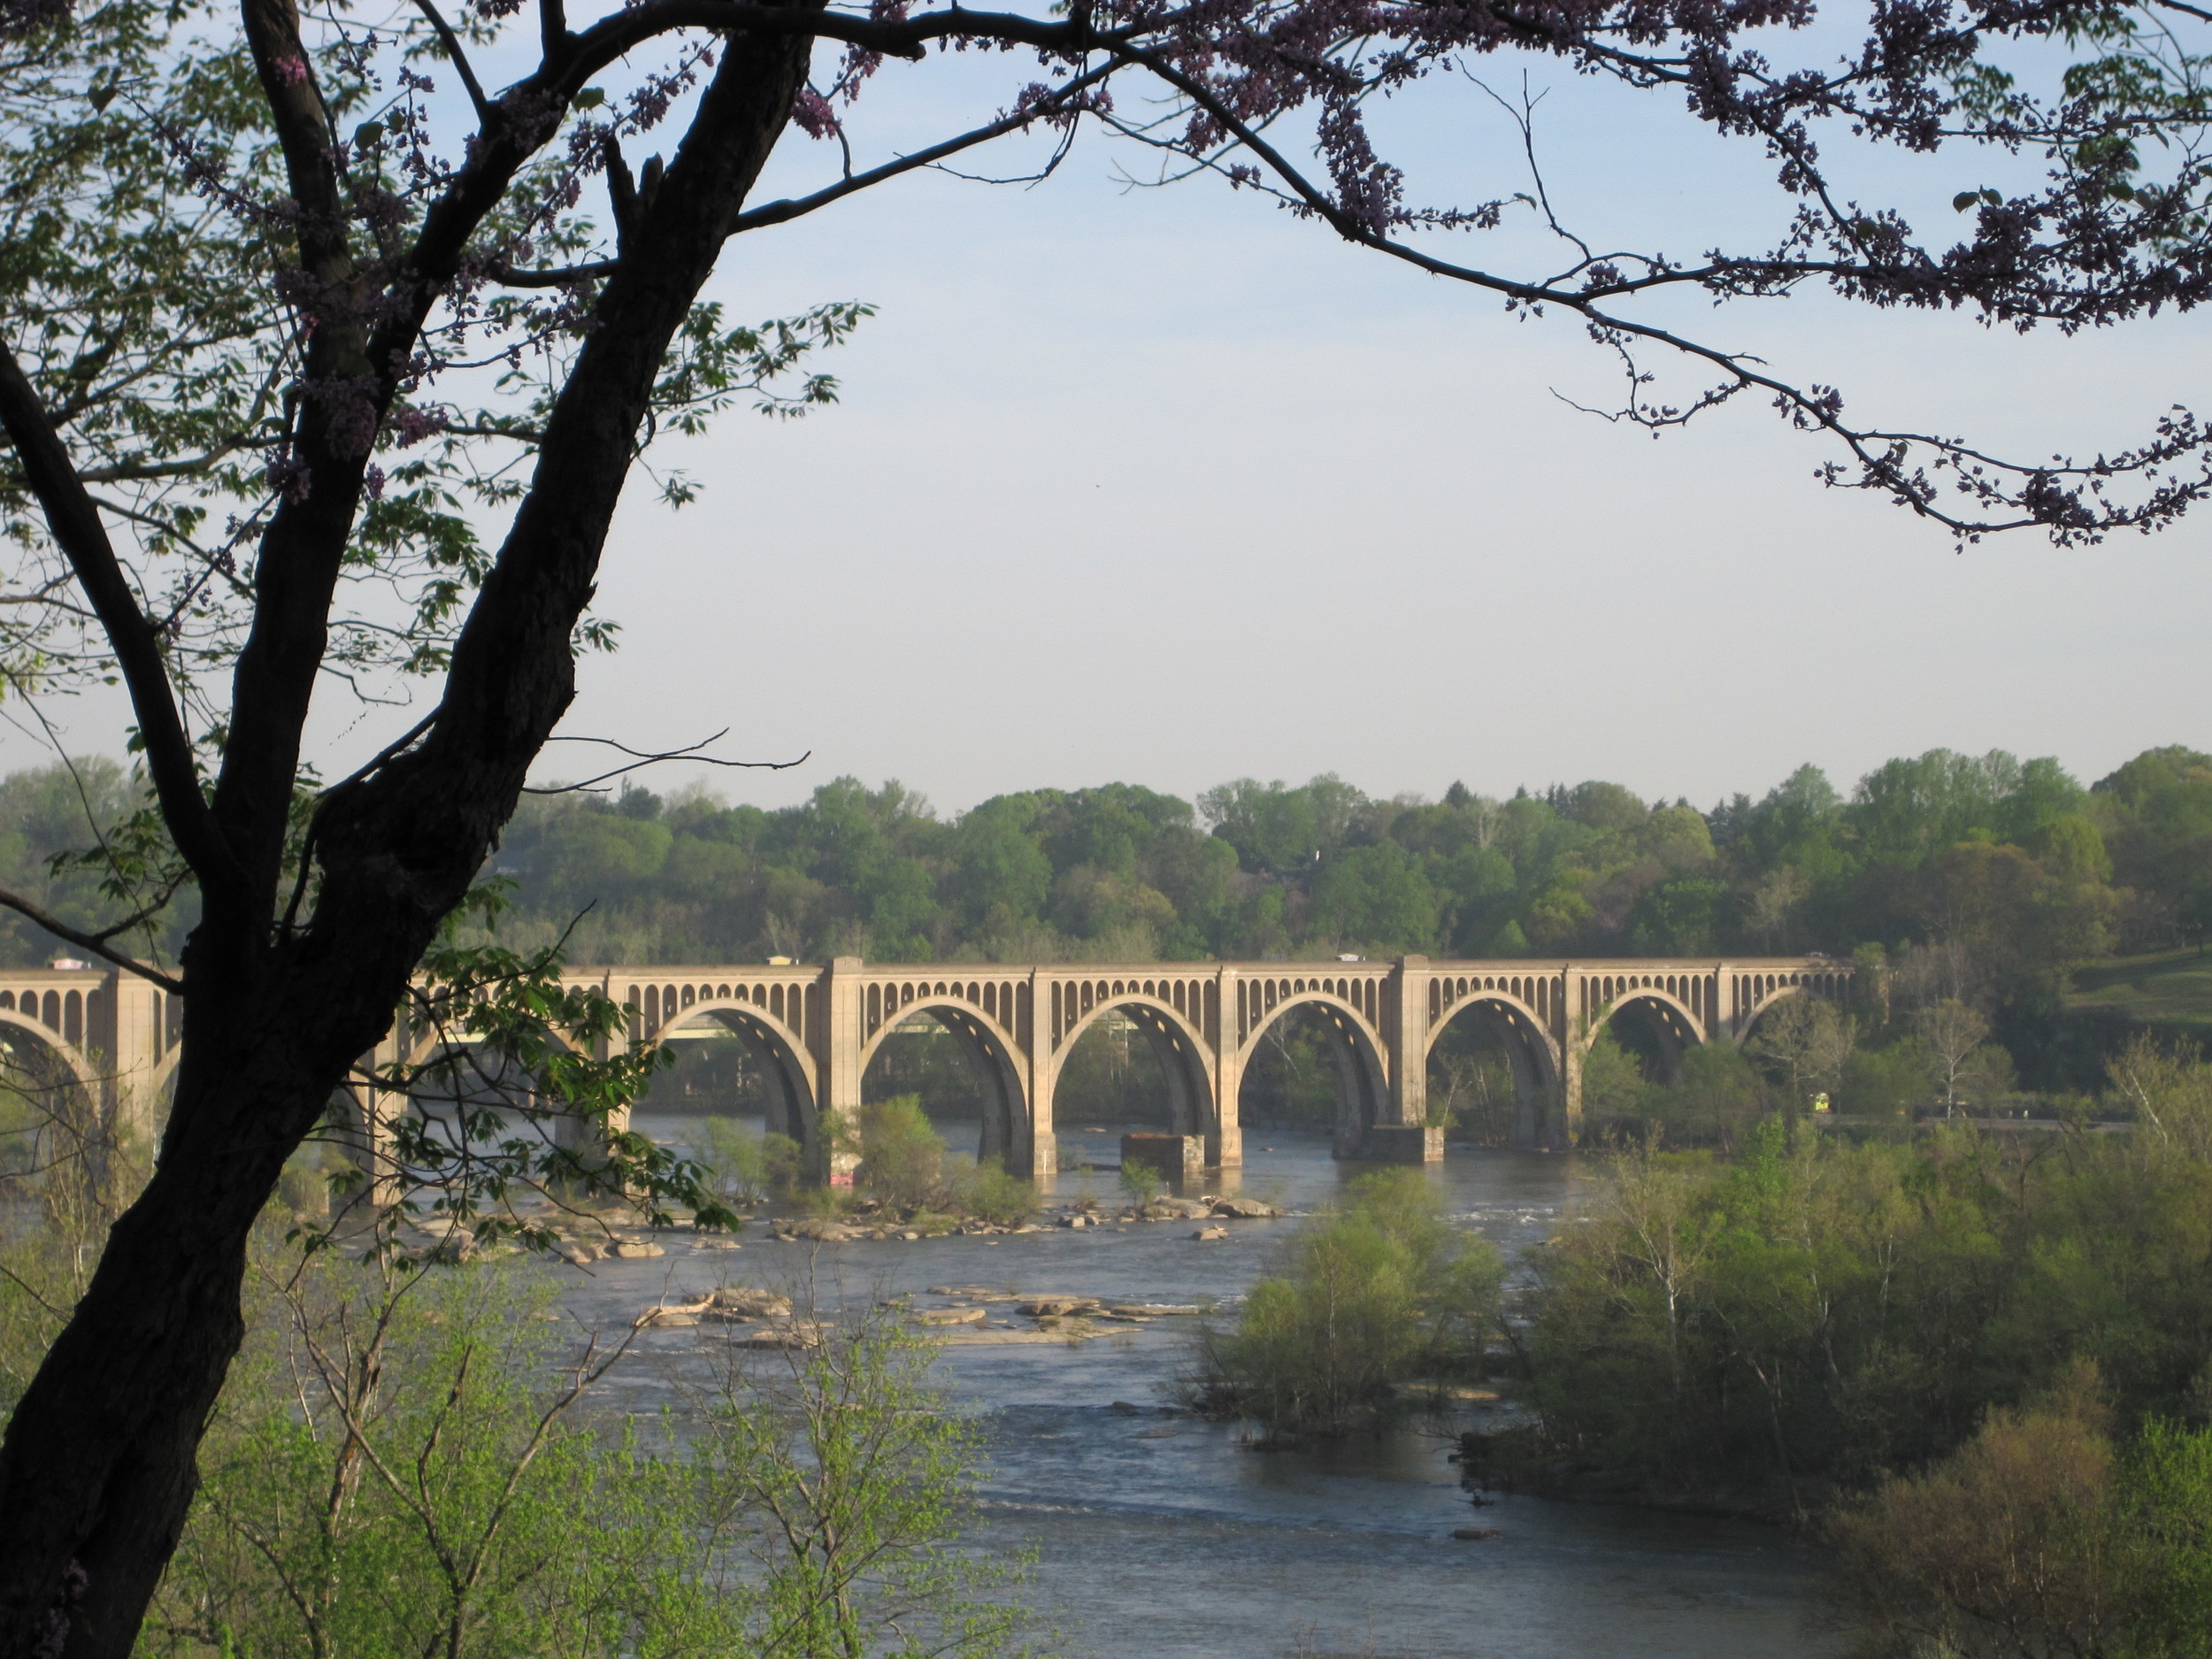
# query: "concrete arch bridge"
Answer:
x=114 y=1037
x=818 y=1027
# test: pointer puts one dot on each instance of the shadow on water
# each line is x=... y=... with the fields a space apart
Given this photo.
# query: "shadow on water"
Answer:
x=1160 y=1533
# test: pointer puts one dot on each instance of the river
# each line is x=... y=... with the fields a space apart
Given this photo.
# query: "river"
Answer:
x=1158 y=1533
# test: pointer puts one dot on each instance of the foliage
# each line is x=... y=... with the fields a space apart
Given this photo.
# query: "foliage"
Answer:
x=312 y=373
x=989 y=1192
x=1612 y=1081
x=1291 y=1080
x=1715 y=1100
x=901 y=1157
x=2038 y=1536
x=1818 y=1313
x=1472 y=1093
x=1805 y=1042
x=904 y=1167
x=1141 y=1183
x=510 y=1100
x=747 y=1166
x=843 y=1478
x=406 y=1461
x=1365 y=1298
x=394 y=1470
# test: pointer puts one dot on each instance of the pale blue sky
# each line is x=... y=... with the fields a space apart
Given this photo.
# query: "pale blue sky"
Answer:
x=1166 y=487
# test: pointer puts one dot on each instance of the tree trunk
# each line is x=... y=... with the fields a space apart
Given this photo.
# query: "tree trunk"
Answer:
x=97 y=1470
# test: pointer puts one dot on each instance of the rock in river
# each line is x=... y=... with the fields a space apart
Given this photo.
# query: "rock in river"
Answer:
x=735 y=1301
x=1244 y=1209
x=949 y=1315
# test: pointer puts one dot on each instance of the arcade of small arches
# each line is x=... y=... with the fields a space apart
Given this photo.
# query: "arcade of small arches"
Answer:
x=817 y=1029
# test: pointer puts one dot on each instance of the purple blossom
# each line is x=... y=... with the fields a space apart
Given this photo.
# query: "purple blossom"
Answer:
x=287 y=476
x=811 y=113
x=412 y=425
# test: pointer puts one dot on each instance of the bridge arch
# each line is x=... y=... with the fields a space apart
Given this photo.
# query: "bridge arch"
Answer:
x=1529 y=1049
x=1178 y=1046
x=1760 y=994
x=1357 y=1048
x=1671 y=1012
x=1669 y=1023
x=66 y=1063
x=793 y=1103
x=995 y=1056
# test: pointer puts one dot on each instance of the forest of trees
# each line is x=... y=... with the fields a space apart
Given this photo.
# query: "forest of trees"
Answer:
x=2008 y=872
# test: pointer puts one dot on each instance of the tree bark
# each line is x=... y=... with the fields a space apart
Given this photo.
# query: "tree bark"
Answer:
x=97 y=1469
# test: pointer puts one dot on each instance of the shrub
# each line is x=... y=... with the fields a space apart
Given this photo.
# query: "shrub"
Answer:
x=402 y=1464
x=2037 y=1536
x=991 y=1195
x=1368 y=1297
x=746 y=1165
x=1141 y=1183
x=1714 y=1100
x=1612 y=1080
x=902 y=1158
x=1891 y=1082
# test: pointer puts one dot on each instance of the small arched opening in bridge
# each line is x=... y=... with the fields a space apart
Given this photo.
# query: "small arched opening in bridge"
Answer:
x=57 y=1134
x=1311 y=1064
x=1491 y=1073
x=733 y=1071
x=1129 y=1064
x=962 y=1067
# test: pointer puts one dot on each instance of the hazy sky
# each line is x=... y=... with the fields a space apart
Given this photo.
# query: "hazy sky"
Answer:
x=1164 y=486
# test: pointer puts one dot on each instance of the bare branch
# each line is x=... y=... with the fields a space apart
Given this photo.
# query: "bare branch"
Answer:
x=779 y=212
x=648 y=757
x=83 y=539
x=96 y=943
x=452 y=44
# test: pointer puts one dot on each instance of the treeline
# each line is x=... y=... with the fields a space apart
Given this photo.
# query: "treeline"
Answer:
x=2014 y=866
x=2016 y=860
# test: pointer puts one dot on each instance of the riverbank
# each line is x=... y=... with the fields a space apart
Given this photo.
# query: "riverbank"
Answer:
x=1517 y=1460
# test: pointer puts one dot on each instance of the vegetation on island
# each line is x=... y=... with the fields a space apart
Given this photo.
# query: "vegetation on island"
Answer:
x=1363 y=1299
